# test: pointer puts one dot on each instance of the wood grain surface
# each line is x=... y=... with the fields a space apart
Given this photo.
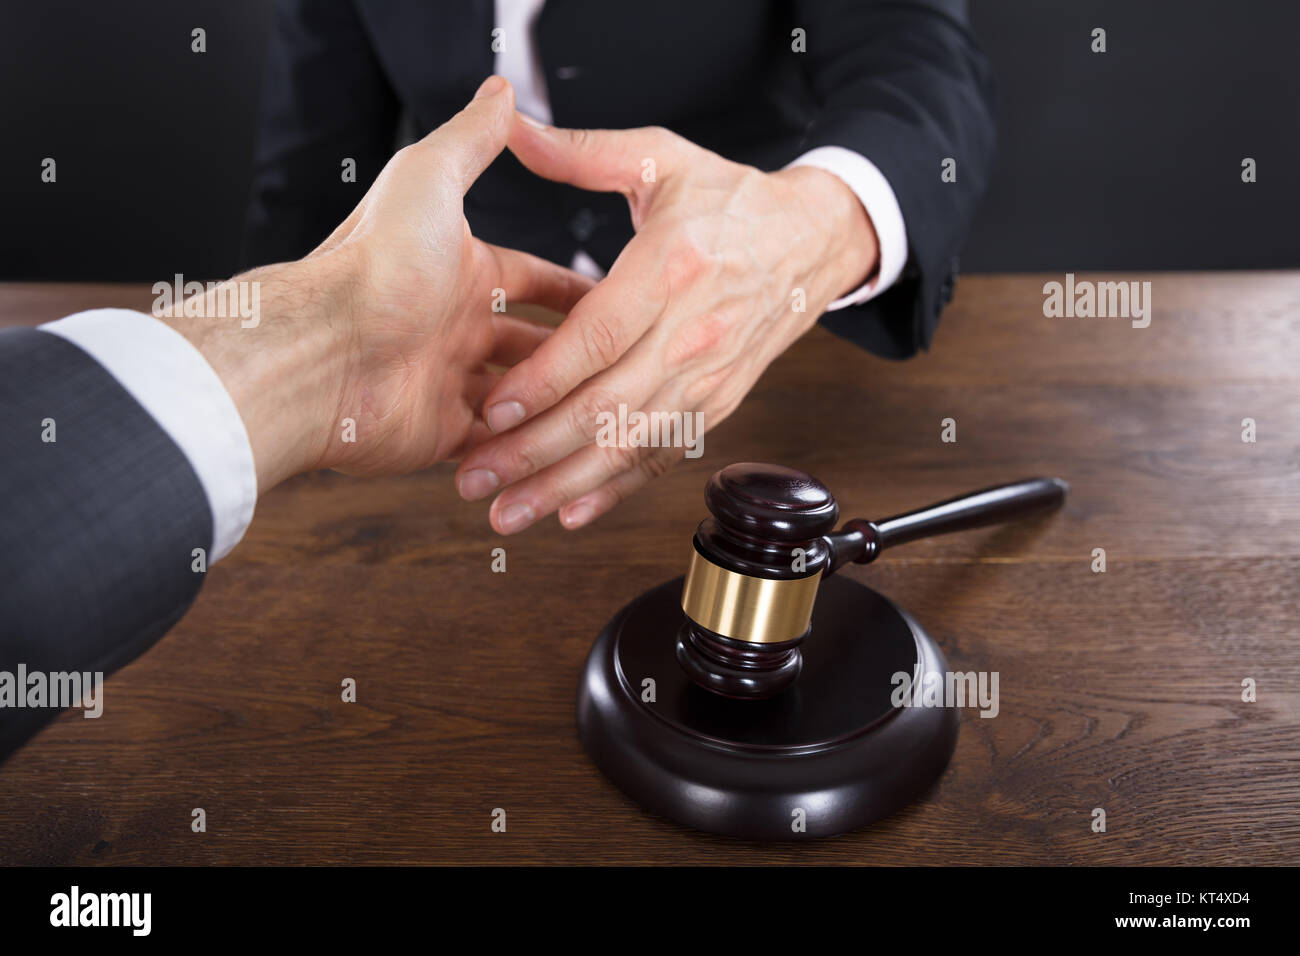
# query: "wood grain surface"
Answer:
x=1119 y=690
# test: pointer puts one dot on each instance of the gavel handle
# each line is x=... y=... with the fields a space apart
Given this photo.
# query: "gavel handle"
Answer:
x=862 y=541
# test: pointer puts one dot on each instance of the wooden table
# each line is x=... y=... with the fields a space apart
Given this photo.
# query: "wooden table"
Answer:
x=1119 y=690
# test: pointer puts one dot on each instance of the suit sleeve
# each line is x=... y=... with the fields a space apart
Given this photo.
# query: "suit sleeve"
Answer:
x=325 y=100
x=102 y=515
x=903 y=84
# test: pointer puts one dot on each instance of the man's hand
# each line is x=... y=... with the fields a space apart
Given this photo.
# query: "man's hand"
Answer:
x=390 y=322
x=698 y=304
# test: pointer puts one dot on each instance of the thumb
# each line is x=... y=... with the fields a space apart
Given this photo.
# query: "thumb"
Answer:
x=627 y=161
x=476 y=135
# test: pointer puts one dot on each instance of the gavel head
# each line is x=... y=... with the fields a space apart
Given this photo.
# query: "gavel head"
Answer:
x=753 y=577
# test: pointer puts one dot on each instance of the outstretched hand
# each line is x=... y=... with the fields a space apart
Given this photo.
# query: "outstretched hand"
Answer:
x=371 y=355
x=729 y=265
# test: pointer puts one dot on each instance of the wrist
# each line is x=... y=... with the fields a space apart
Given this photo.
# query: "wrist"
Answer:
x=847 y=253
x=277 y=339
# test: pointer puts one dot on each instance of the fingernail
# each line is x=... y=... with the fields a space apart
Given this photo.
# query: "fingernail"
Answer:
x=503 y=415
x=535 y=124
x=516 y=517
x=577 y=514
x=477 y=483
x=490 y=87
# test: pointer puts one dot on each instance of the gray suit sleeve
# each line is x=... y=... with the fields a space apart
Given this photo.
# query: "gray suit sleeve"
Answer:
x=101 y=515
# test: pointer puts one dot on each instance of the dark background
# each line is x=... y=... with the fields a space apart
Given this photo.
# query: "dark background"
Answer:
x=1125 y=160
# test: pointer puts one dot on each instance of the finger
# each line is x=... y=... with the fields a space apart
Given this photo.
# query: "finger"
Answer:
x=595 y=503
x=600 y=331
x=476 y=135
x=528 y=278
x=469 y=141
x=478 y=433
x=573 y=480
x=513 y=340
x=568 y=426
x=477 y=385
x=602 y=160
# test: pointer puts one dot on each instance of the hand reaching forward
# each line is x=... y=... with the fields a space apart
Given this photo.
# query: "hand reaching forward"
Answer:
x=729 y=265
x=370 y=354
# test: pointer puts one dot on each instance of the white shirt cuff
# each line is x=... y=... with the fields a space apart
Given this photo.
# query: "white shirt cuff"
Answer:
x=877 y=196
x=174 y=382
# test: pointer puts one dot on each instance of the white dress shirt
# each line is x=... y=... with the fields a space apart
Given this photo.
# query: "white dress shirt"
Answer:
x=519 y=63
x=174 y=382
x=166 y=374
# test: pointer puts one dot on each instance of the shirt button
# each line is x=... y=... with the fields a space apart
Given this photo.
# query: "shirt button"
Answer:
x=583 y=225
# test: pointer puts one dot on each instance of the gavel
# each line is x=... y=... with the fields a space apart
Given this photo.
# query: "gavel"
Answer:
x=798 y=717
x=758 y=561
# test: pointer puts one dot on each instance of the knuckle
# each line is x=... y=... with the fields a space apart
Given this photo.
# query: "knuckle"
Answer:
x=710 y=386
x=588 y=405
x=600 y=340
x=661 y=145
x=660 y=136
x=614 y=493
x=657 y=462
x=605 y=496
x=419 y=155
x=702 y=336
x=546 y=394
x=580 y=138
x=685 y=262
x=525 y=457
x=535 y=384
x=623 y=458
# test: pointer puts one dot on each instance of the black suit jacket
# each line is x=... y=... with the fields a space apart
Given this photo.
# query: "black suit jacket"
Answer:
x=98 y=527
x=899 y=81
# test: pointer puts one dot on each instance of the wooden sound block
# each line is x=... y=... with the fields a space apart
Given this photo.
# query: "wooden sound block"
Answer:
x=832 y=745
